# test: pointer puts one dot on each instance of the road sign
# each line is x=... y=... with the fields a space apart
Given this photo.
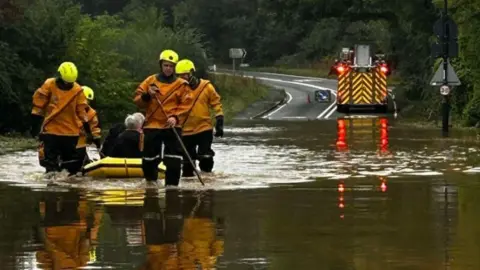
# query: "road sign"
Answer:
x=451 y=76
x=237 y=53
x=444 y=90
x=450 y=25
x=437 y=49
x=445 y=31
x=323 y=96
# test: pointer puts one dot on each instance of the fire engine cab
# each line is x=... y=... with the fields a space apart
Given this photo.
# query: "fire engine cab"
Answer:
x=362 y=81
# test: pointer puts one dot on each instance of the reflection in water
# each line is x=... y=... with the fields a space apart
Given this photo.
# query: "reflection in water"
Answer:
x=180 y=235
x=342 y=190
x=68 y=231
x=176 y=230
x=351 y=131
x=357 y=223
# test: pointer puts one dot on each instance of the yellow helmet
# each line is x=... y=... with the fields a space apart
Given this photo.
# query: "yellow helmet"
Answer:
x=184 y=66
x=169 y=55
x=68 y=72
x=88 y=92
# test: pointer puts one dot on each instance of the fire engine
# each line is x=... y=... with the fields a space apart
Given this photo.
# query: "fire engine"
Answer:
x=362 y=84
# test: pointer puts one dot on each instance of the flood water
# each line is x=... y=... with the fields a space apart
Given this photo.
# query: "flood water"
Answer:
x=345 y=194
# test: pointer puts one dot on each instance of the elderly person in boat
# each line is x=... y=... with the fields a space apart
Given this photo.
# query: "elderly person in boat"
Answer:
x=129 y=144
x=109 y=142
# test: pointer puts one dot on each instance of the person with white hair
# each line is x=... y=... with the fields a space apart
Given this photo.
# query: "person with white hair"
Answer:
x=140 y=119
x=129 y=144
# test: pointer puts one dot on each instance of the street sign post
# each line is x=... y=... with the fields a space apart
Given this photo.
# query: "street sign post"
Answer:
x=237 y=53
x=446 y=31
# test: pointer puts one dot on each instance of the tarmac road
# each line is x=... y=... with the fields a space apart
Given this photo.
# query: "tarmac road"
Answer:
x=301 y=91
x=301 y=103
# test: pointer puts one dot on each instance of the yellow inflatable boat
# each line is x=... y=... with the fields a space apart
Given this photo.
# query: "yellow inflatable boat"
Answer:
x=110 y=167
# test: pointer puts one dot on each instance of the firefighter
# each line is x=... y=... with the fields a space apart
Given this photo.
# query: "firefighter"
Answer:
x=182 y=234
x=161 y=229
x=68 y=230
x=129 y=143
x=197 y=128
x=160 y=94
x=92 y=119
x=201 y=237
x=57 y=106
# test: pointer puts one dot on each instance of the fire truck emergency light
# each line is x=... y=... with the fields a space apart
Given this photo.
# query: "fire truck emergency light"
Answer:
x=384 y=69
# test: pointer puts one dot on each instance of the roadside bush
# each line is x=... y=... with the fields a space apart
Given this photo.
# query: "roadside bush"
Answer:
x=113 y=53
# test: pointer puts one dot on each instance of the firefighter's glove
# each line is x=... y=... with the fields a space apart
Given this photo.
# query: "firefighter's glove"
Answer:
x=87 y=129
x=35 y=125
x=219 y=126
x=146 y=97
x=97 y=142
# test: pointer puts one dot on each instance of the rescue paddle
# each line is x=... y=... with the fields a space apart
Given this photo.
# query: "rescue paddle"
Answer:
x=178 y=138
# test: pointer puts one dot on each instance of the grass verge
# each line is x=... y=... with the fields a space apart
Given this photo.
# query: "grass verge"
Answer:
x=16 y=142
x=237 y=93
x=307 y=72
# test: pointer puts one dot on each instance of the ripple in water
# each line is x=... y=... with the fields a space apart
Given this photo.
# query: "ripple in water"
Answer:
x=250 y=159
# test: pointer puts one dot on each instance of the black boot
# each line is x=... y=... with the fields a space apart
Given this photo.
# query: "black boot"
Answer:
x=174 y=169
x=206 y=164
x=187 y=170
x=150 y=169
x=172 y=177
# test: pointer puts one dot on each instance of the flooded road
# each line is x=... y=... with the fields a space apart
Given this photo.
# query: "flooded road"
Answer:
x=346 y=194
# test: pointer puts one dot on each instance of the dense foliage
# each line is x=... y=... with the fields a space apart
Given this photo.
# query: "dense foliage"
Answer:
x=112 y=52
x=116 y=43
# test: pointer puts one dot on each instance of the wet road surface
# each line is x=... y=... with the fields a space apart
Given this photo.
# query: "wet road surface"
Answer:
x=284 y=194
x=301 y=102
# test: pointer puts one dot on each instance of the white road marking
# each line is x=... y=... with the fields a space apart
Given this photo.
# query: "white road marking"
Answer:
x=309 y=80
x=361 y=116
x=279 y=108
x=290 y=96
x=286 y=75
x=330 y=110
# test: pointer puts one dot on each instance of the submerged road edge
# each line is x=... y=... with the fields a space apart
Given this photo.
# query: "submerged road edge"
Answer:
x=279 y=104
x=325 y=113
x=275 y=98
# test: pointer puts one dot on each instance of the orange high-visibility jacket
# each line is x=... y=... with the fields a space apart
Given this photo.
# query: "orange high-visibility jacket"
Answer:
x=61 y=109
x=196 y=105
x=170 y=95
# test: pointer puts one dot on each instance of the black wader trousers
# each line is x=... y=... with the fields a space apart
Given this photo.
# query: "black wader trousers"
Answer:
x=82 y=158
x=204 y=154
x=60 y=153
x=172 y=155
x=162 y=225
